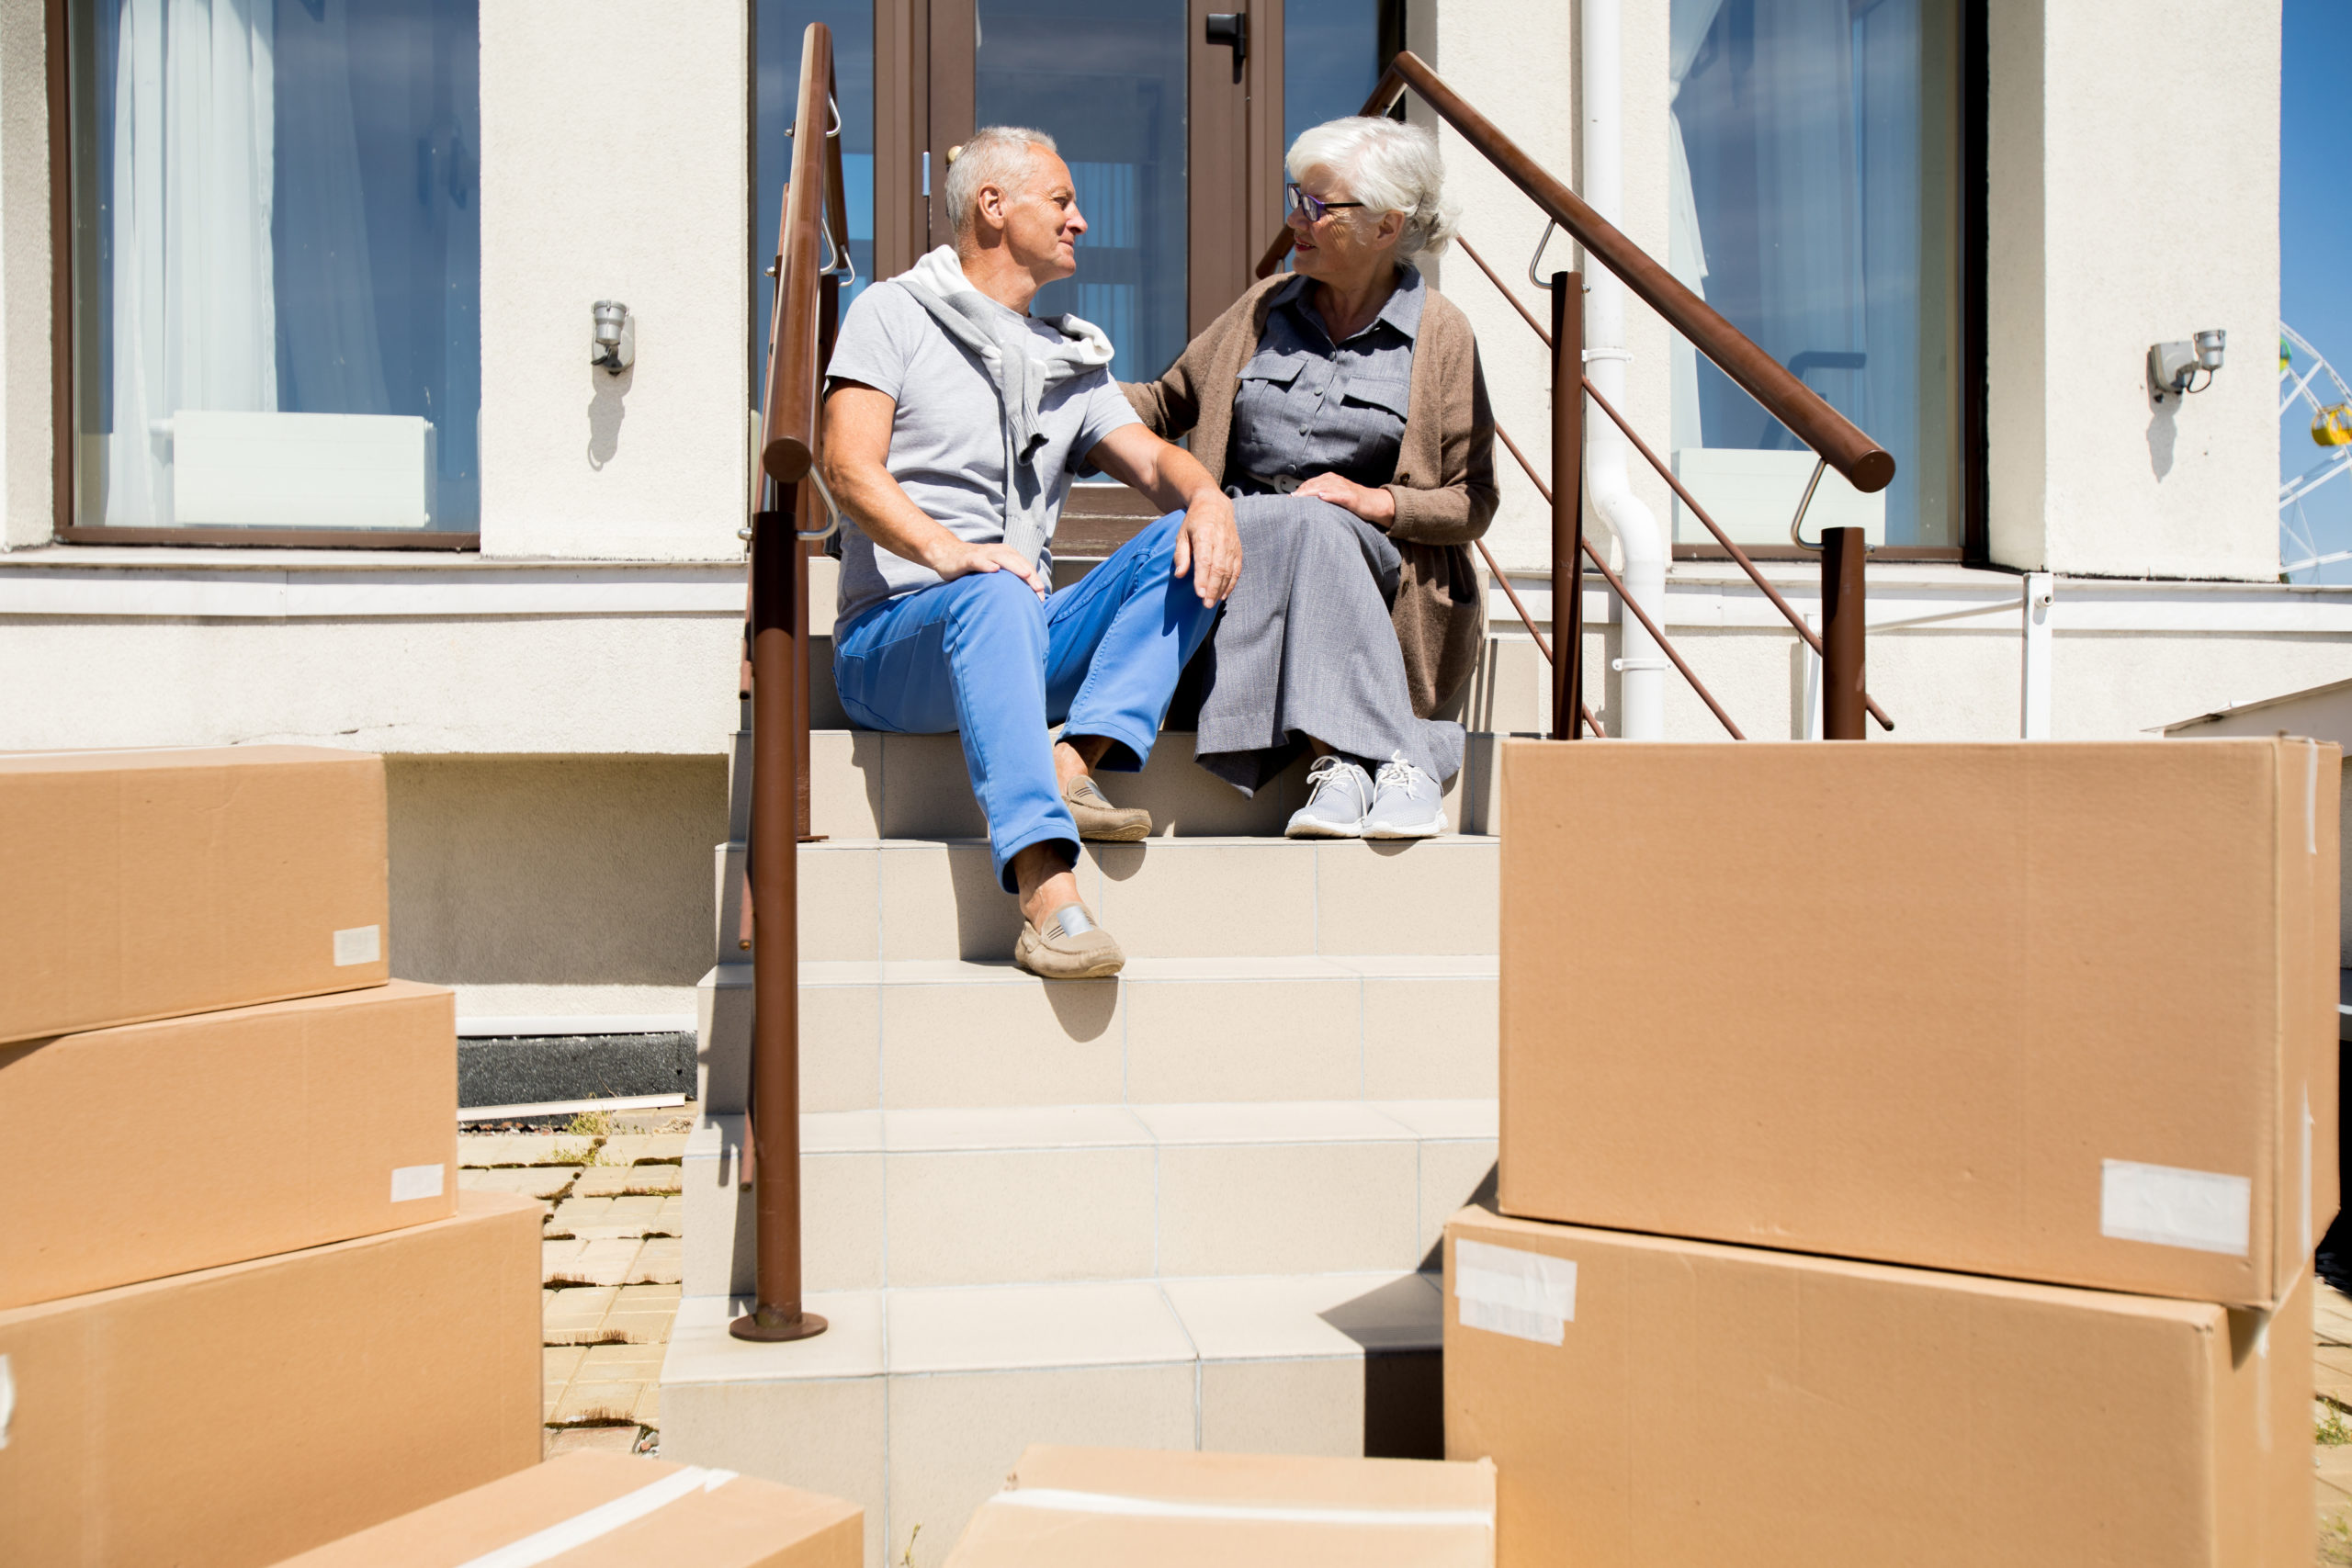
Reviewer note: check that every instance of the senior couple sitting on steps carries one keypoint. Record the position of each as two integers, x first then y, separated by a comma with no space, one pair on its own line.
1315,550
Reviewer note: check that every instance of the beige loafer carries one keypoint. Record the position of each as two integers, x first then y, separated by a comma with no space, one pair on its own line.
1101,821
1071,947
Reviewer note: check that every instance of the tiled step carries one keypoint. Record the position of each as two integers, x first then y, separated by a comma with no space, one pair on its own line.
943,1033
1052,1194
916,1402
1180,898
865,784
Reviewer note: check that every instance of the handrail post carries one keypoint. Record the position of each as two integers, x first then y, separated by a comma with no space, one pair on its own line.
775,934
1567,505
1844,691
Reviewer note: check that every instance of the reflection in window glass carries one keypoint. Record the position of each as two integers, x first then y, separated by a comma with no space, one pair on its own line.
278,260
779,27
1105,80
1330,61
1814,149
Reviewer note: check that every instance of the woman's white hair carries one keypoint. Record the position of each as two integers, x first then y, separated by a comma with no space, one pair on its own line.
1390,167
999,155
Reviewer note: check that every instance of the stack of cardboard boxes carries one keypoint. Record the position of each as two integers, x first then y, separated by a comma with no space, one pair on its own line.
243,1308
1909,1154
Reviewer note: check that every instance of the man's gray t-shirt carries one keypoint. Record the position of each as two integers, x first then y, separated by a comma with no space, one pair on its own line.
947,438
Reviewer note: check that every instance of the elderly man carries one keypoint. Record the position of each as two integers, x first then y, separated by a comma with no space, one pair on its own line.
954,420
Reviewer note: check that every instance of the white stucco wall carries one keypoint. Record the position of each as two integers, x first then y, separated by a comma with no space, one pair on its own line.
26,449
614,167
2132,199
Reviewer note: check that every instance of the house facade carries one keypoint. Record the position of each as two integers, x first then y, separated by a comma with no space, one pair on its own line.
301,439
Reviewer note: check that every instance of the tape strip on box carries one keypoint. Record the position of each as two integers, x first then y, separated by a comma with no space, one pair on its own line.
411,1182
1506,1291
1062,1500
358,944
2202,1209
602,1520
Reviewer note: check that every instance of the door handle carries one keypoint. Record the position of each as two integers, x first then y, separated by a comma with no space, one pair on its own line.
1231,28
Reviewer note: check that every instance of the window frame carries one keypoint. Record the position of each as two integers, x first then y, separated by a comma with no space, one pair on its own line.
64,526
1975,547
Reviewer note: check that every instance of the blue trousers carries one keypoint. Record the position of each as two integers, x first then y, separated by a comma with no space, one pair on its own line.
983,656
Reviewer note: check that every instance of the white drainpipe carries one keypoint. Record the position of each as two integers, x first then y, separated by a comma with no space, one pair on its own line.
1641,703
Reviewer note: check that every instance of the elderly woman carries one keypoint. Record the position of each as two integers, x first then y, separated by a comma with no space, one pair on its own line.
1345,409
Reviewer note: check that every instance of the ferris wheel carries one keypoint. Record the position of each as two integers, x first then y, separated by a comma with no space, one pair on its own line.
2304,376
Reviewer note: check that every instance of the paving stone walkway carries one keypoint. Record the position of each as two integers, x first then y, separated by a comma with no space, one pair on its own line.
610,1238
2332,1425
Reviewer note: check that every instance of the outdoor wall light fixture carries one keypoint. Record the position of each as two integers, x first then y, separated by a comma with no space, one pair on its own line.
613,349
2173,366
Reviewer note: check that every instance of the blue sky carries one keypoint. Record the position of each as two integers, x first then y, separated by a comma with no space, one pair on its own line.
2315,236
2315,178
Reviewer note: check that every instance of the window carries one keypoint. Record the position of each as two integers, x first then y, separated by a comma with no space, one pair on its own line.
277,247
777,29
1815,200
1333,52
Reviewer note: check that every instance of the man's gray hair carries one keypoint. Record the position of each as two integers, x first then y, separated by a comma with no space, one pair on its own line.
997,156
1390,167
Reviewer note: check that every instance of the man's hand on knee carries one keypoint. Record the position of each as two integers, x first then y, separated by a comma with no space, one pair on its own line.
957,557
1208,547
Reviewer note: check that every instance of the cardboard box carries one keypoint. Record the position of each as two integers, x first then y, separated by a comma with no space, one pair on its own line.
2057,1012
237,1415
630,1510
346,1107
148,884
1146,1508
1659,1403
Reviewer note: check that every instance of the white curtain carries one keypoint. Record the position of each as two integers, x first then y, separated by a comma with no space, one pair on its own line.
1686,250
194,311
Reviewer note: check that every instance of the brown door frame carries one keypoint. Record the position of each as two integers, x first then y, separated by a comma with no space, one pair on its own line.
924,102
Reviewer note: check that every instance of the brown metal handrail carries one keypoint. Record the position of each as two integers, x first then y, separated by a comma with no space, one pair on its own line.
785,492
1866,465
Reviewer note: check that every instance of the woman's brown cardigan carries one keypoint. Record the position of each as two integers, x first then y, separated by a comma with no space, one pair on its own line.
1445,471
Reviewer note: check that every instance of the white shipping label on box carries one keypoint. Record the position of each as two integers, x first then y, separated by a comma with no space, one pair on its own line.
359,944
2203,1210
411,1182
1506,1291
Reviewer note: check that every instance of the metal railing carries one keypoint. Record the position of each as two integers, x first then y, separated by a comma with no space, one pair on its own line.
1835,442
787,495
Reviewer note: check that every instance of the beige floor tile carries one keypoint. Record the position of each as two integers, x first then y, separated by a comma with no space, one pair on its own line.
574,1315
1118,1322
1430,1037
838,894
952,1437
659,1263
480,1150
619,1181
649,1406
942,900
1284,1407
1284,1209
1184,898
584,1402
989,1218
1244,1040
590,1262
840,1046
1451,1174
642,1148
1002,1041
1433,895
592,1440
823,1435
558,1362
535,1181
618,1363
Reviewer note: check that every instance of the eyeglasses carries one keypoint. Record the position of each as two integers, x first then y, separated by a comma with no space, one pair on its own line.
1295,201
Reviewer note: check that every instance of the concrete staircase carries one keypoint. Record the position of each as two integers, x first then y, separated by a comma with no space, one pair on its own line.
1189,1207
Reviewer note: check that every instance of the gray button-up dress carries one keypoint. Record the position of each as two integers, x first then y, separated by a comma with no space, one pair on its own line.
1305,645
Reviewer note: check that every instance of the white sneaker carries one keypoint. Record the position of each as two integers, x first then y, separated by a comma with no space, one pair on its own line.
1338,795
1404,803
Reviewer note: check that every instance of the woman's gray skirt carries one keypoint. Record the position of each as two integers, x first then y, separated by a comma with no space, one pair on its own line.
1306,648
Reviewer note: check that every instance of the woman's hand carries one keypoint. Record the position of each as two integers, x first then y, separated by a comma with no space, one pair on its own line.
1372,503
